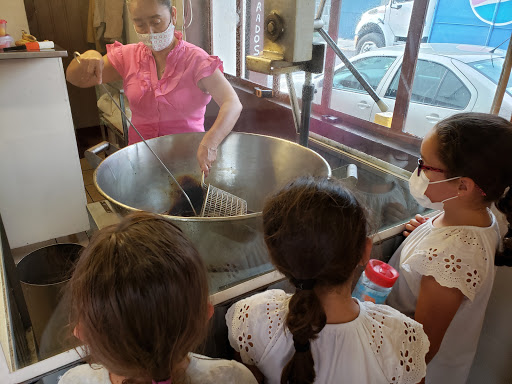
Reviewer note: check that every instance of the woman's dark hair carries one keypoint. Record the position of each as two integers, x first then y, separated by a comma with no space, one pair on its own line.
316,234
139,299
168,3
478,146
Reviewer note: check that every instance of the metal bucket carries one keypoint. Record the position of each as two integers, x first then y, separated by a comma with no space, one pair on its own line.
249,166
43,275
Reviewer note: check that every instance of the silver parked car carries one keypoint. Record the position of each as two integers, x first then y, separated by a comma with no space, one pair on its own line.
449,78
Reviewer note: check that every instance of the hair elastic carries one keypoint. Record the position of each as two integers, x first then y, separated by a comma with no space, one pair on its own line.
305,285
301,347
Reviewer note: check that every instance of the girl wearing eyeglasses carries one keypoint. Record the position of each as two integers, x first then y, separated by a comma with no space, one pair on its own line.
447,263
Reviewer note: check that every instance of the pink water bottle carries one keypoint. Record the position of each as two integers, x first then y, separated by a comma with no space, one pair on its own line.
375,282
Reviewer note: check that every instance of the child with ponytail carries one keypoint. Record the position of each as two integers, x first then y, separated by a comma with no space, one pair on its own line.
447,264
317,235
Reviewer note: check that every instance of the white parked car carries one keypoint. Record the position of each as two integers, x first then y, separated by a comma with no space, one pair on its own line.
388,25
449,79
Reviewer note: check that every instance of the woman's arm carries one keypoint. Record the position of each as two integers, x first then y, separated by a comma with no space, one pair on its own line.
230,107
91,70
435,309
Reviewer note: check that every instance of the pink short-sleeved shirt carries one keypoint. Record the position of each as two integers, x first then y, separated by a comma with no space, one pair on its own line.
173,104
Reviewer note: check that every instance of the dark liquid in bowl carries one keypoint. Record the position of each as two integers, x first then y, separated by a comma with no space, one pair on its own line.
179,203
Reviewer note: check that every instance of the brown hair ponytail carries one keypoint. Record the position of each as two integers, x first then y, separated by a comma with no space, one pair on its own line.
316,233
305,319
504,257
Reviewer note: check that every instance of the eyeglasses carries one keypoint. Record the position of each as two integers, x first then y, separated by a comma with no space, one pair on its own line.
421,165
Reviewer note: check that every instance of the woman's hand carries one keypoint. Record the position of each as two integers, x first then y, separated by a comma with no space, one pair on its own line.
225,97
413,224
89,69
205,157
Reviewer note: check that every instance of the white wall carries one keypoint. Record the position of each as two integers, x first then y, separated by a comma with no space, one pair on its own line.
224,21
14,12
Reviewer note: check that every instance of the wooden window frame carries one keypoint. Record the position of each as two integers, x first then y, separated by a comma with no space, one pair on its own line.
408,68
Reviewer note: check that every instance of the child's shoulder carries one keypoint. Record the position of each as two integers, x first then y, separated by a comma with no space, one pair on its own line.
256,323
398,343
460,237
86,374
391,321
459,257
262,304
207,370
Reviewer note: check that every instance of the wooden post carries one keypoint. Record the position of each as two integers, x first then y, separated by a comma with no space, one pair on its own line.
412,46
330,56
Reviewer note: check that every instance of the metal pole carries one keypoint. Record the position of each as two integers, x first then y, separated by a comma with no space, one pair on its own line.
320,10
367,87
293,101
502,83
491,27
307,98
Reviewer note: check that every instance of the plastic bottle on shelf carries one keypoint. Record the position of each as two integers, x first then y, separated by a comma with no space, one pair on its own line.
375,282
3,27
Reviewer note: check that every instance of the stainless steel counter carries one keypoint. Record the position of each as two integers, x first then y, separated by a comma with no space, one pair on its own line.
45,53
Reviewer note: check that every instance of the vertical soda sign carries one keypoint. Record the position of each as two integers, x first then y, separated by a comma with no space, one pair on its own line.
493,12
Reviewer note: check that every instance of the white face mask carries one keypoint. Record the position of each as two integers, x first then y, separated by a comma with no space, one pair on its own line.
419,184
158,41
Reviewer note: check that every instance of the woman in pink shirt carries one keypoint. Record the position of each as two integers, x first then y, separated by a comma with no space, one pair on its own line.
168,81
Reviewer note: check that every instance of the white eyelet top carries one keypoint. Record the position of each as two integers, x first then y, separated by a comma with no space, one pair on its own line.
459,257
201,370
380,346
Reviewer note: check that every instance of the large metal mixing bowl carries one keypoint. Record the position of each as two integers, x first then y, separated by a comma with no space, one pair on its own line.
249,166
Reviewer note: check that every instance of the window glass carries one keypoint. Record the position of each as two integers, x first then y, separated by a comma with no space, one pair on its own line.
372,69
491,69
427,81
434,84
452,93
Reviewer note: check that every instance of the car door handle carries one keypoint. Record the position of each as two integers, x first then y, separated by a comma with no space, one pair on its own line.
363,105
433,118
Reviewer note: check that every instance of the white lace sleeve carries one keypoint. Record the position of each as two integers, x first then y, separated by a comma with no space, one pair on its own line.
459,260
254,322
398,343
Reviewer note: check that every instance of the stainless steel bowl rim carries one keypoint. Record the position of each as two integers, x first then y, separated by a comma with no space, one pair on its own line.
196,218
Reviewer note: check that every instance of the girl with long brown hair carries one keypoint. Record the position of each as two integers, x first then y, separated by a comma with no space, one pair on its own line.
317,235
139,303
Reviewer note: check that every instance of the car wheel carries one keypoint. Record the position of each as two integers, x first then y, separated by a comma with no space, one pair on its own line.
369,42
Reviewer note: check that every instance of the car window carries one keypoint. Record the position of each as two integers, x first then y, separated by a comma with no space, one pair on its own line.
372,69
452,93
492,70
434,84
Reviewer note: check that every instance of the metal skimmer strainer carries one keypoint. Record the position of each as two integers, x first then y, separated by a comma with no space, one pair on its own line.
219,203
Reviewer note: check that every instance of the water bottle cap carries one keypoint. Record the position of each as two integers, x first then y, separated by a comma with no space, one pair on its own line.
381,273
